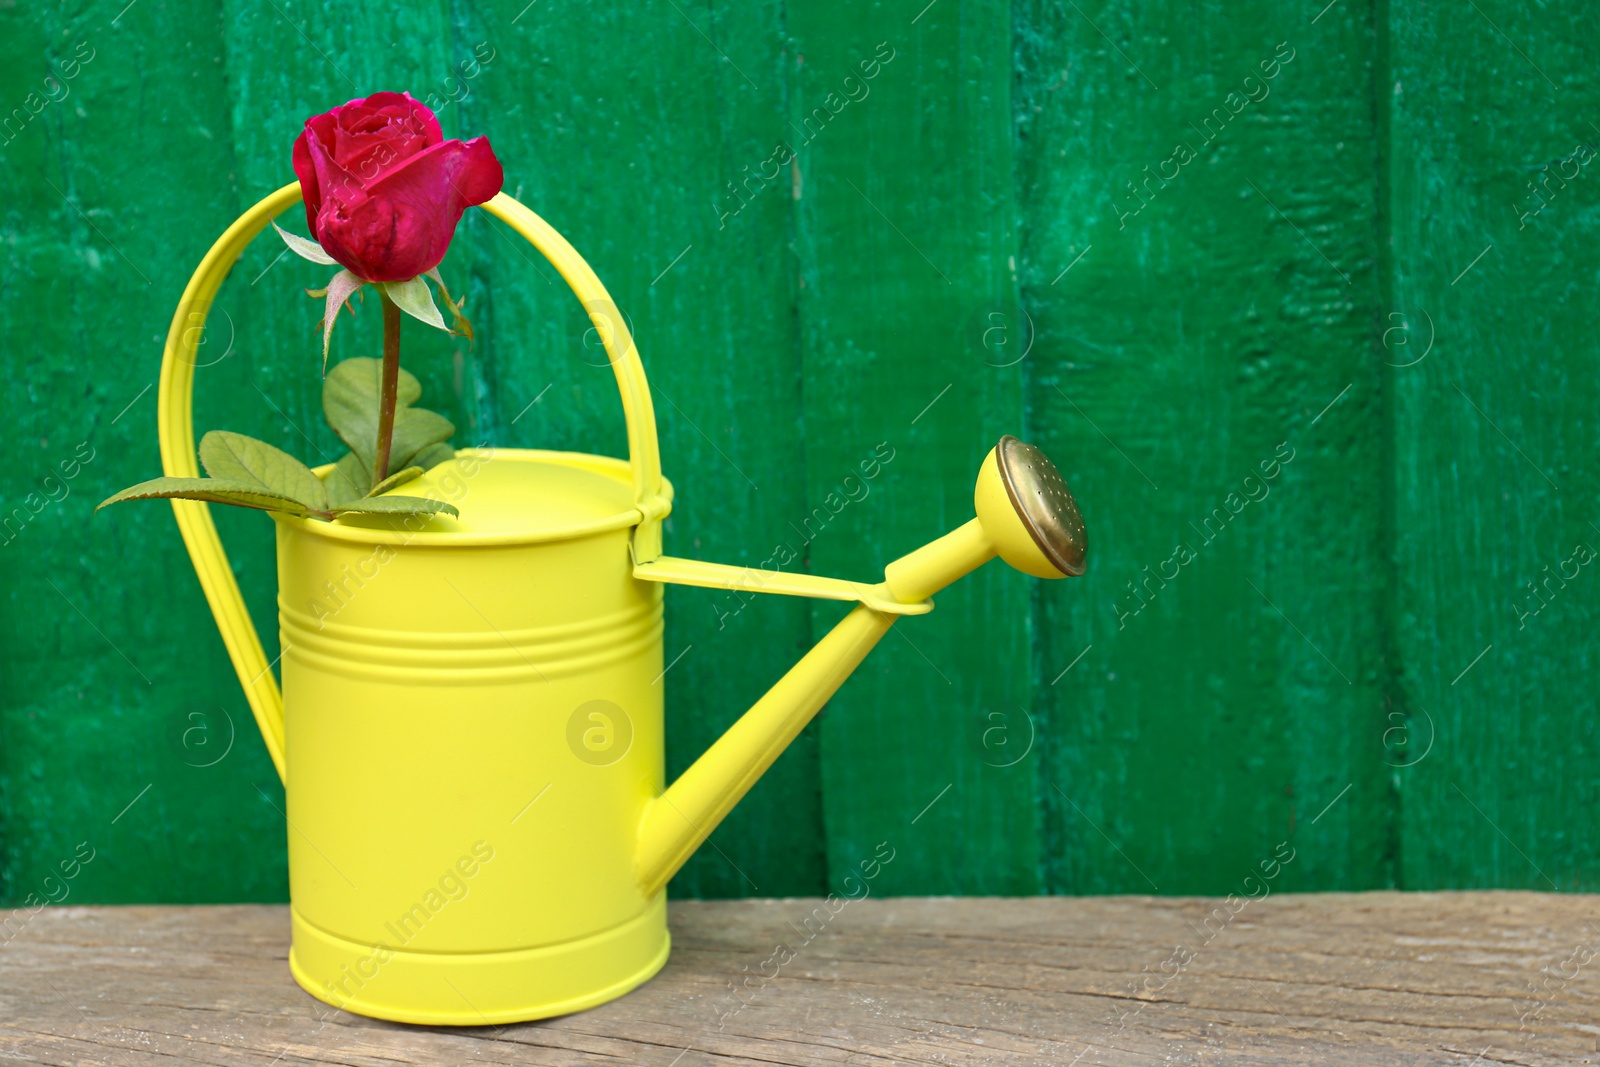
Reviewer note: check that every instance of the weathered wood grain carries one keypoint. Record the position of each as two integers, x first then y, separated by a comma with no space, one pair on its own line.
1380,978
115,680
1199,268
1496,474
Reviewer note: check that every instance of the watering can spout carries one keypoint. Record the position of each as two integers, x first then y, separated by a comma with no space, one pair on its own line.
1025,515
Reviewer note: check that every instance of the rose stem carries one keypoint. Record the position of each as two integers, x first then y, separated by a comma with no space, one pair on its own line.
390,386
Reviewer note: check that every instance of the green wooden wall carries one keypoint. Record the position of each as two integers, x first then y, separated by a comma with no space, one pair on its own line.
1296,294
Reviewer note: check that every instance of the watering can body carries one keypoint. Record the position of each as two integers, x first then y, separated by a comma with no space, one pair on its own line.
469,726
473,729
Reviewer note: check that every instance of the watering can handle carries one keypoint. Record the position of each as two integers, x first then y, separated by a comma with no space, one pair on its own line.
178,457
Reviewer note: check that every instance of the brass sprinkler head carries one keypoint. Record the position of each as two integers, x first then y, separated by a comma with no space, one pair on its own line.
1028,512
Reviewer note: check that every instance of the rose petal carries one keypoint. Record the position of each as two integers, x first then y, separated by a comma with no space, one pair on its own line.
306,171
383,191
482,177
366,236
371,137
412,107
372,155
338,188
451,176
324,123
308,146
404,223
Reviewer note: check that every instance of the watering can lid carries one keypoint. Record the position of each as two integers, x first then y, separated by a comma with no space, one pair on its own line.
506,496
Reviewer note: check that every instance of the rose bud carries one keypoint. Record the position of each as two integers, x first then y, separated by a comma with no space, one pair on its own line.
384,190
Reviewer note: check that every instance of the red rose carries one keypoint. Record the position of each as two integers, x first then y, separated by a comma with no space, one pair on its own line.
384,190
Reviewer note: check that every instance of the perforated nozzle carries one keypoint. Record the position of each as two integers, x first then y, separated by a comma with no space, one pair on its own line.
1026,516
1028,512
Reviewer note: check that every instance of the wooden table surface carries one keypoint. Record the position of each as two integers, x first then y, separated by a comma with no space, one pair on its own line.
1374,978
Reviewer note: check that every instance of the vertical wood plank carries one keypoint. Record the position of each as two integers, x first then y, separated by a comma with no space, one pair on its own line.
120,712
1199,263
1494,194
902,130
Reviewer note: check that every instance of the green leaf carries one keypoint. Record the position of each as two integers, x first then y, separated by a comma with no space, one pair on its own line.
303,248
350,402
338,293
245,494
395,480
396,505
244,472
235,457
349,480
432,456
415,299
414,430
463,325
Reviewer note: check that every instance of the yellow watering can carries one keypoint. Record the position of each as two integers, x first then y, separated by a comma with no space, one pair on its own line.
470,727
